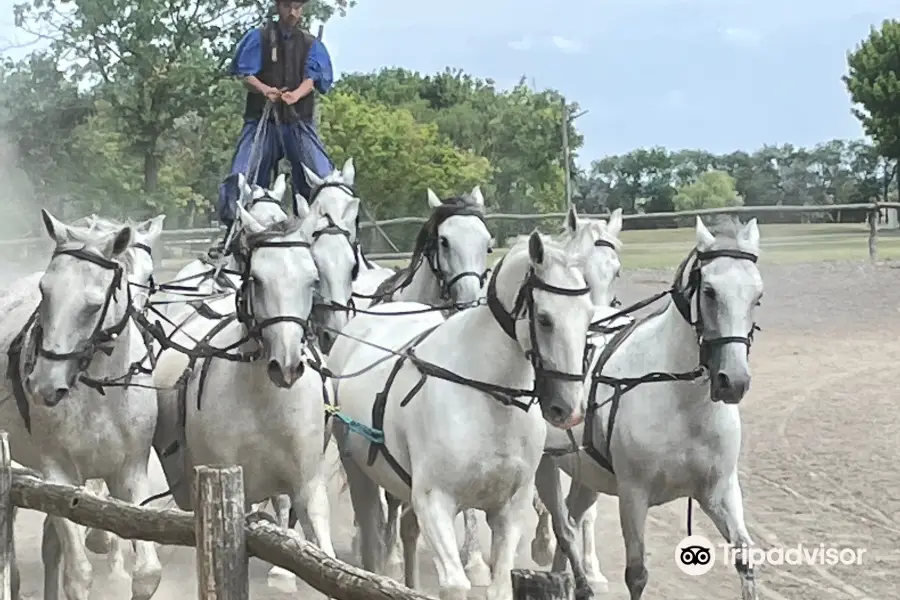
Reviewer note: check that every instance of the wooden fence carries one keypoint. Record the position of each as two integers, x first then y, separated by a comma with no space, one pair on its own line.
182,245
224,536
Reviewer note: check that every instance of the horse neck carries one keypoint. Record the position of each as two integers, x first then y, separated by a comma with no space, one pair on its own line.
424,287
665,342
480,350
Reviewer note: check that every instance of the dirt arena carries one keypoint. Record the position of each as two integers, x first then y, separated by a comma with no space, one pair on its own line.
818,464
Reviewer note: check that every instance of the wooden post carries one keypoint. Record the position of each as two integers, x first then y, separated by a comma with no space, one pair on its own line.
219,520
873,233
541,585
6,522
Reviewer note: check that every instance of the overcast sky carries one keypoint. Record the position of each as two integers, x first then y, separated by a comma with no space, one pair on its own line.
714,74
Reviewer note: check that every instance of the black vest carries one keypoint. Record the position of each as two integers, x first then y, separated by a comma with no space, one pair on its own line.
286,69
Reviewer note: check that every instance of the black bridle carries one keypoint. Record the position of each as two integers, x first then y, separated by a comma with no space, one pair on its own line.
244,296
431,254
691,292
525,304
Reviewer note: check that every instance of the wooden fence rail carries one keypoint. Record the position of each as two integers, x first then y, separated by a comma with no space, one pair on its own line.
204,237
215,530
223,535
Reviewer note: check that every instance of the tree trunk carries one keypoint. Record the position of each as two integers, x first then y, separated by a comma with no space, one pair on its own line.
151,169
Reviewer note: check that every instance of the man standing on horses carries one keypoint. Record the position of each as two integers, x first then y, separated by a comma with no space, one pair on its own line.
283,64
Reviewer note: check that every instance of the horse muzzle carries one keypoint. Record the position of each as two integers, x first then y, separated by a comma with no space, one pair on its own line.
282,377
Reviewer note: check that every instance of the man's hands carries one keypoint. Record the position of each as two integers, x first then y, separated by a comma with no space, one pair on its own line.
273,94
291,97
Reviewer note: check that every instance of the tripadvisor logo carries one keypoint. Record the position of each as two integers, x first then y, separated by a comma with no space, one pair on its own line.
695,555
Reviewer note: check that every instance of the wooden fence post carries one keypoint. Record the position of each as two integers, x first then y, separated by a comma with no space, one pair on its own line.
872,218
219,518
541,585
6,522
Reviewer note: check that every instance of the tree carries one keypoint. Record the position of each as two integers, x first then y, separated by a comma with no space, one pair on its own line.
712,189
397,158
154,63
873,80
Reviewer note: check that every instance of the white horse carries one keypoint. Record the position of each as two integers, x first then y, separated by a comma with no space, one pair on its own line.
598,242
268,415
449,259
675,433
456,432
77,433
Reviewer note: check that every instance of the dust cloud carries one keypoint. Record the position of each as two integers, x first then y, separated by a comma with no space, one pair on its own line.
20,219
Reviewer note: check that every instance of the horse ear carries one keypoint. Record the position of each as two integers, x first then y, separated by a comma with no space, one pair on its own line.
705,239
614,227
433,200
301,206
151,228
312,179
348,172
279,188
248,222
572,220
536,249
477,197
750,236
119,242
56,229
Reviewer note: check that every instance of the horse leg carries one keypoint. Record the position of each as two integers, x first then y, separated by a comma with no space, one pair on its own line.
633,508
409,533
391,542
546,481
506,533
477,571
99,541
132,485
543,546
589,544
725,508
77,569
278,578
369,516
436,512
15,581
51,555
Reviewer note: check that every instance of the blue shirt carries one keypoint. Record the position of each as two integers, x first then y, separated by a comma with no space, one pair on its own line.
248,60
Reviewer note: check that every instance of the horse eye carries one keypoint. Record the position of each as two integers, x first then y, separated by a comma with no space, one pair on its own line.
490,251
544,320
709,293
445,243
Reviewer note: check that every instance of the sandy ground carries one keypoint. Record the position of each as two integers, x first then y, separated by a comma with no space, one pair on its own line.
821,435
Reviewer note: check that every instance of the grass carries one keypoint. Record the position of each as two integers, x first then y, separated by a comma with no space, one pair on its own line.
781,244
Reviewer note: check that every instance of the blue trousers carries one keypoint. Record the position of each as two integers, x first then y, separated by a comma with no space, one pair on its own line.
301,145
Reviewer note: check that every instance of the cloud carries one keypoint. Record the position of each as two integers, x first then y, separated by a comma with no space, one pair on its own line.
741,36
567,45
521,45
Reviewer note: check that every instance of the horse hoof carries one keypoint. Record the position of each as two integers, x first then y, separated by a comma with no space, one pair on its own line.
144,585
478,572
282,580
542,551
98,541
584,593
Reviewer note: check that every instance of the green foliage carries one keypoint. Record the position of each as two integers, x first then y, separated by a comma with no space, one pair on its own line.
873,81
711,189
397,158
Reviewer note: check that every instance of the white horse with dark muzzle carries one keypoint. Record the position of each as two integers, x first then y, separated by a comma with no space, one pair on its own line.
449,262
459,429
265,415
74,331
663,420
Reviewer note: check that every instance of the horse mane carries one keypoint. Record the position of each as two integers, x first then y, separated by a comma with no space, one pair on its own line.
450,207
278,229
